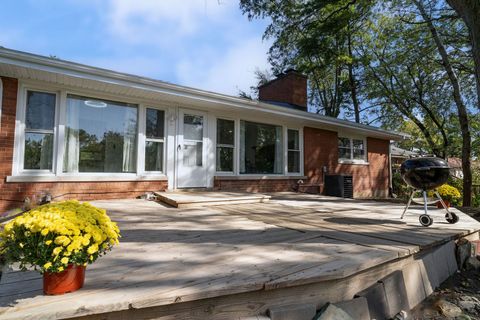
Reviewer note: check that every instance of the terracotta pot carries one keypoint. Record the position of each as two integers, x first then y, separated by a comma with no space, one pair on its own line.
69,280
439,204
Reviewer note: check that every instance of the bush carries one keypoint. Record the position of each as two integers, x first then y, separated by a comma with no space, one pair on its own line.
55,235
476,200
399,187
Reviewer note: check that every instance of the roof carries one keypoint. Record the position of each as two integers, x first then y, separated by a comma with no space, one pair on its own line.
399,152
25,65
454,162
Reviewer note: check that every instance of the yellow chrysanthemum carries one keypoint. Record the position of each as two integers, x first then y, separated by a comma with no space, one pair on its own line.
64,260
47,265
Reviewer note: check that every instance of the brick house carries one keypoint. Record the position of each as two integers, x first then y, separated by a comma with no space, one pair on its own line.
77,131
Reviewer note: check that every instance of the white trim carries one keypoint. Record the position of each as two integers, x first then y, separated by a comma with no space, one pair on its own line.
142,139
363,161
261,177
83,178
20,128
234,146
300,151
79,71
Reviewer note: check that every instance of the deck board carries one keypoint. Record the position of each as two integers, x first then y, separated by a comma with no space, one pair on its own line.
170,255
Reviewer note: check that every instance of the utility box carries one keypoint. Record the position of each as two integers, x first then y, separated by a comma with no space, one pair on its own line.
339,185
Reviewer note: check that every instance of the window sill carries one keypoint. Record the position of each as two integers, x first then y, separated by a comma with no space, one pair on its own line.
357,162
84,178
260,177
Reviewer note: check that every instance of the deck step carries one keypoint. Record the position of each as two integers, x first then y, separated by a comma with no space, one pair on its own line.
193,199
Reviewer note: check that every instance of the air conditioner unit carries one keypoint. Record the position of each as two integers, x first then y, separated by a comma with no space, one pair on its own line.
339,186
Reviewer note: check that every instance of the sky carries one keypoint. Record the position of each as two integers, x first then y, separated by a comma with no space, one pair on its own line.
206,44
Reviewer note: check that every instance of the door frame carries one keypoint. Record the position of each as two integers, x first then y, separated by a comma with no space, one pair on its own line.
179,139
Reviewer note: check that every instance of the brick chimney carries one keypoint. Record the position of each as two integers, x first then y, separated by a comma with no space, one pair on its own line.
288,89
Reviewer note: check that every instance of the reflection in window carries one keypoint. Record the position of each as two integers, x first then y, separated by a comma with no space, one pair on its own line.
192,140
39,131
351,149
155,135
293,151
261,148
100,136
225,145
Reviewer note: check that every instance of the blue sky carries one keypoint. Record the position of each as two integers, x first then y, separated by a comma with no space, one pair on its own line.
206,44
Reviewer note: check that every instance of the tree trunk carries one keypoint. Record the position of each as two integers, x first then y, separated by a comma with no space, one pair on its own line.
469,11
353,83
462,110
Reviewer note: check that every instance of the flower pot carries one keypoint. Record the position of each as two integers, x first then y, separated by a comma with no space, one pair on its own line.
439,204
69,280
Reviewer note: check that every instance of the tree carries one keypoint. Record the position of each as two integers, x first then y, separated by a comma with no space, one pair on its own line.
457,96
317,38
469,11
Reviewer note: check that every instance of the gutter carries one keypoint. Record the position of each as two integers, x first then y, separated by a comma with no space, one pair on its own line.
77,70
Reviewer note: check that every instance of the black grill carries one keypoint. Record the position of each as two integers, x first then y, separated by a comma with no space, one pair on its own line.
425,173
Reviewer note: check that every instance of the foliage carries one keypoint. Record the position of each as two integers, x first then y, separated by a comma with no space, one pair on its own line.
52,236
400,188
476,200
449,193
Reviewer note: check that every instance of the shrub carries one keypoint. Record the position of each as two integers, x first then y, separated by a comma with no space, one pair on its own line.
399,186
52,236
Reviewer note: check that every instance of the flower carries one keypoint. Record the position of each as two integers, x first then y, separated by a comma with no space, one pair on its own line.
52,235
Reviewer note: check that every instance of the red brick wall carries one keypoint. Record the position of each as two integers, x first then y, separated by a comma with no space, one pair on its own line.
256,185
290,88
13,194
370,180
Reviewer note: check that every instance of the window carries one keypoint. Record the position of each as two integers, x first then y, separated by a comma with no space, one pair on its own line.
192,140
293,151
155,139
351,149
261,148
225,145
39,131
344,148
100,136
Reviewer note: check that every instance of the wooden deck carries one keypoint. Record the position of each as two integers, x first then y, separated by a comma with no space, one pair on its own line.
173,260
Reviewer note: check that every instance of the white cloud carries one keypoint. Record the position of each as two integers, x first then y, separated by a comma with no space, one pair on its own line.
205,44
228,71
163,21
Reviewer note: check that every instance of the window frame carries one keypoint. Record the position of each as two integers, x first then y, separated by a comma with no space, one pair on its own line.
143,139
232,146
57,174
20,131
351,160
300,150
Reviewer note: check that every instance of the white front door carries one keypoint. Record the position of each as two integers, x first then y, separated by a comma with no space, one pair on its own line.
191,150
